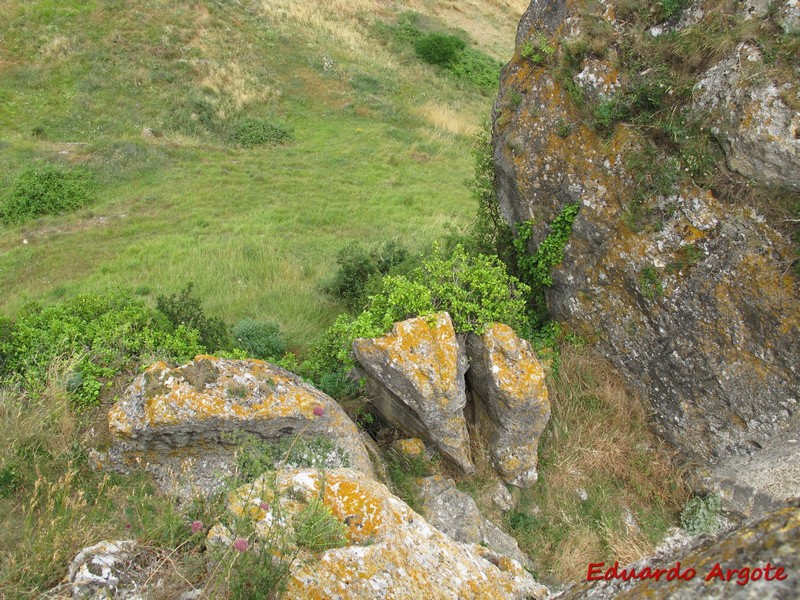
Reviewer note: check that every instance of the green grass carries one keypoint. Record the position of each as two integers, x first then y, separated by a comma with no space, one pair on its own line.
257,229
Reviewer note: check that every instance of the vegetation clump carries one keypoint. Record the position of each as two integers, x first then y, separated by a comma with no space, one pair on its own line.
259,339
47,189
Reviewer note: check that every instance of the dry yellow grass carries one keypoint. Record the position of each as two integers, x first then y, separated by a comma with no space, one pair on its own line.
598,440
453,120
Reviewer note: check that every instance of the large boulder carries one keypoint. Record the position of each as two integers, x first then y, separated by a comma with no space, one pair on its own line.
456,514
750,557
391,552
700,311
415,376
185,423
507,384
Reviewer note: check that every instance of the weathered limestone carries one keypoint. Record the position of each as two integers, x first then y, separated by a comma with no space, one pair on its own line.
508,386
455,514
415,376
701,311
183,423
759,132
392,552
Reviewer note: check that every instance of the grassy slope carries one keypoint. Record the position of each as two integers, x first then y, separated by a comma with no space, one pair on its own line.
382,144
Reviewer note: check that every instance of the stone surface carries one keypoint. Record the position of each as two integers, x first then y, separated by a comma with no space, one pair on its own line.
759,132
104,570
185,423
415,377
393,553
774,540
409,447
750,487
701,313
508,386
502,498
456,514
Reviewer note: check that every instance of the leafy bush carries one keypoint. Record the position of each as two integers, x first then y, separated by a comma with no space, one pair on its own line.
439,48
475,290
249,132
550,251
47,190
184,309
357,266
259,339
104,335
700,514
476,68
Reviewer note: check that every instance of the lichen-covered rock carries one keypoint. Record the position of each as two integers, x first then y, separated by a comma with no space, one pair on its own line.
392,552
415,376
759,132
773,541
508,386
105,570
456,514
184,423
700,311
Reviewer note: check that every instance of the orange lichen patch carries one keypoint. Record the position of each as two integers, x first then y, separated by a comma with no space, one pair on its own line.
514,366
355,504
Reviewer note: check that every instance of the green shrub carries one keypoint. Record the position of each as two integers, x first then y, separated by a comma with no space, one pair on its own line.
475,290
439,48
550,251
476,68
316,528
184,309
538,49
357,266
103,335
47,190
259,339
700,514
249,132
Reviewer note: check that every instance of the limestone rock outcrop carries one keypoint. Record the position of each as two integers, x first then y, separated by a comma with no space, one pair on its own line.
511,403
391,552
456,514
415,376
773,541
700,311
759,131
184,423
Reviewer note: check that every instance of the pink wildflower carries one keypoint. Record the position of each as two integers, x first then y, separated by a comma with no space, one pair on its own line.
240,545
264,506
197,526
319,411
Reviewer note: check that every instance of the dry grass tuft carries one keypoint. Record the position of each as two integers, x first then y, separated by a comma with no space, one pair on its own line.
599,441
449,119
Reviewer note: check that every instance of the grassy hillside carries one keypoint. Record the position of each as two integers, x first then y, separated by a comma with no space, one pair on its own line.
380,143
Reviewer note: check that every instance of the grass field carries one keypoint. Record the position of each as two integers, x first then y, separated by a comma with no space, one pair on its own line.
381,144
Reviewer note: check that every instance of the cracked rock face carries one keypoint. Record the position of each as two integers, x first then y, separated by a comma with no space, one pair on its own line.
415,376
701,312
512,406
759,132
183,423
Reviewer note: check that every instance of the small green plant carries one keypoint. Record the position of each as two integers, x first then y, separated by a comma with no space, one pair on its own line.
563,128
550,252
317,529
670,8
259,339
650,283
184,308
237,391
439,49
249,132
47,190
257,456
700,514
538,49
404,470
